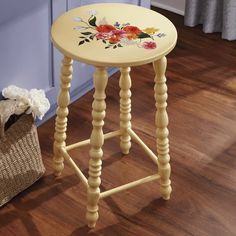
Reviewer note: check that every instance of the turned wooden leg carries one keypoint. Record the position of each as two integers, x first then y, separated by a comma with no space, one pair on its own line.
162,132
96,143
62,113
125,109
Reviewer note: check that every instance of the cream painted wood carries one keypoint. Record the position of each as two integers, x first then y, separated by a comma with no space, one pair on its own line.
96,142
125,109
62,113
162,132
66,39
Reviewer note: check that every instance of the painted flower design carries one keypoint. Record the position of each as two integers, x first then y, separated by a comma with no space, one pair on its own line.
150,30
149,45
115,35
105,28
132,29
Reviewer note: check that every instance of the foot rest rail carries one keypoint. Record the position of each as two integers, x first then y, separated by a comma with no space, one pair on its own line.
147,150
75,167
87,141
129,185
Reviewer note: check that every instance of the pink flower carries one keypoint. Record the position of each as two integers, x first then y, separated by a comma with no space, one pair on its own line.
104,36
113,36
149,45
119,33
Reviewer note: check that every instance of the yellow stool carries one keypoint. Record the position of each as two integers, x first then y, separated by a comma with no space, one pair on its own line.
117,35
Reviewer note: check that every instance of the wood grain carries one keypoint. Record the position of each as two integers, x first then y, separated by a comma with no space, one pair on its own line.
201,78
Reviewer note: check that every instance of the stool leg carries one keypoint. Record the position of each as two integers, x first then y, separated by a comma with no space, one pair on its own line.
62,113
125,109
96,143
162,132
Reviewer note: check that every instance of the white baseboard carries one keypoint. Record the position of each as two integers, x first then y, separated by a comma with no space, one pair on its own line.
167,7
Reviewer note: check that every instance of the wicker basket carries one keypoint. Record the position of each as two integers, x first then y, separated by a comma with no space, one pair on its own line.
20,157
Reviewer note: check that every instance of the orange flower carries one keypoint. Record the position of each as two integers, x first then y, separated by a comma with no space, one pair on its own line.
105,28
131,36
114,39
132,29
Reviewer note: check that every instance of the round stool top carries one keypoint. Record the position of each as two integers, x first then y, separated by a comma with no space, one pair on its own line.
113,34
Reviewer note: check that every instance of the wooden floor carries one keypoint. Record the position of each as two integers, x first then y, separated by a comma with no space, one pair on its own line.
202,109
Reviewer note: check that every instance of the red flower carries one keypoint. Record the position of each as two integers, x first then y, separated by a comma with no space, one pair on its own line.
132,29
149,45
105,28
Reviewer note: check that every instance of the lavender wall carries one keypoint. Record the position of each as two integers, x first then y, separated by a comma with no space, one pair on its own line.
27,58
24,46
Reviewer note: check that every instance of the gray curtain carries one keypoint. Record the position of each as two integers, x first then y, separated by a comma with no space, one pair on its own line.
214,15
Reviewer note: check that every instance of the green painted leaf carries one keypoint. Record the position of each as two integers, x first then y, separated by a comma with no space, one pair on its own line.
91,37
143,35
81,42
86,33
119,45
107,47
92,22
82,37
104,41
115,46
